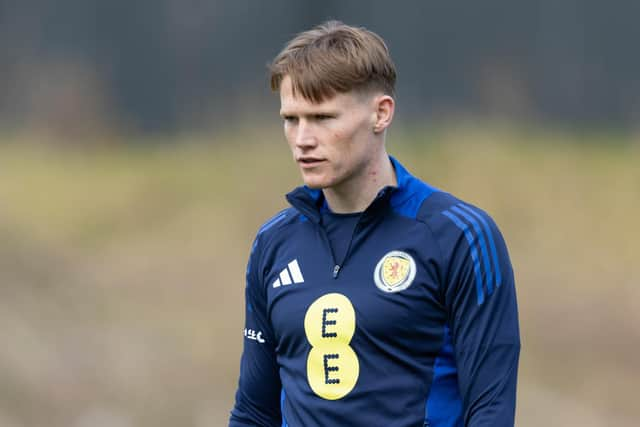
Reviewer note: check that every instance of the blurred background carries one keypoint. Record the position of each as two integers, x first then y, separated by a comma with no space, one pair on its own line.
140,150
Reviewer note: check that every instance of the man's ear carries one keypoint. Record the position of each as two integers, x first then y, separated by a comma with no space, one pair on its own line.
384,108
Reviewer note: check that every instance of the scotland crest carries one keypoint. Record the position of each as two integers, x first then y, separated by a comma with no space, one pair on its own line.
395,272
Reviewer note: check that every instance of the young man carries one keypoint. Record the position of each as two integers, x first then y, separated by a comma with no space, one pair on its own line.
376,299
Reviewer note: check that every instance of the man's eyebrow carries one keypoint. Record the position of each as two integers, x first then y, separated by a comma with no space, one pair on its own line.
319,112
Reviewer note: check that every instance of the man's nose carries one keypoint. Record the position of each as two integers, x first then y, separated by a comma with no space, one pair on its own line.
305,137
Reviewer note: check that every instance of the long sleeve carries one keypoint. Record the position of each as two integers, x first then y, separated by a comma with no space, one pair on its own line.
258,395
483,315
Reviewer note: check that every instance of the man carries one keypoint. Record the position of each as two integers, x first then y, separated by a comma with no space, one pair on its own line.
376,299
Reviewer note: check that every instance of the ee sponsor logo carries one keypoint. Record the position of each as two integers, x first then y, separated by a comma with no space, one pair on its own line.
332,365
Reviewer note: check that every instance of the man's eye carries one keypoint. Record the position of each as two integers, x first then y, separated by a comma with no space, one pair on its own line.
322,117
290,119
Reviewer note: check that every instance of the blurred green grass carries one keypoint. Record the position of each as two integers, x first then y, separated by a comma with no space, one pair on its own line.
122,268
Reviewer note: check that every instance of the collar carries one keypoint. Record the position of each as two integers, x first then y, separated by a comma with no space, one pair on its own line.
311,202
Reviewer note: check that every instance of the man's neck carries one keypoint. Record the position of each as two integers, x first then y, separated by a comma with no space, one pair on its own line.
357,193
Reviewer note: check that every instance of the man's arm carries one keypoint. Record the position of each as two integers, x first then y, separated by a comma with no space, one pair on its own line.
483,314
258,395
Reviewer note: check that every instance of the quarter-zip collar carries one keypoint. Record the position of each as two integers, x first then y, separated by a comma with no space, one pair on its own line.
311,202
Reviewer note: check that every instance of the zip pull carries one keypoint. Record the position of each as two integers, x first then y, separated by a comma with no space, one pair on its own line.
336,270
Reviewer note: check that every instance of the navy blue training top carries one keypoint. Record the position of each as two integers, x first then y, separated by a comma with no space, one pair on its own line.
414,324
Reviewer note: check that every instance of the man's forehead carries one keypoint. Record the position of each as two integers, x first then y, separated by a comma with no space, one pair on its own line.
300,104
291,101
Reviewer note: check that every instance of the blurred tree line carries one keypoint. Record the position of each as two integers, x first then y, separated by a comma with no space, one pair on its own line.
167,65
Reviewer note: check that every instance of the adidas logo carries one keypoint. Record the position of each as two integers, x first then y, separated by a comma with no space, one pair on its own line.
291,274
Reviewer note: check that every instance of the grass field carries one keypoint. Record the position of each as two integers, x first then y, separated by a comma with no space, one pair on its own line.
121,269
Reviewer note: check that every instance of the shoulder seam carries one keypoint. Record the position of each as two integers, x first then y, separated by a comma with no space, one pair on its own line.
272,221
438,246
425,222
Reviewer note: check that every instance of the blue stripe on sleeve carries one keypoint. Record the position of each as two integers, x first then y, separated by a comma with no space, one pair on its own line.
474,255
444,404
483,248
282,397
494,252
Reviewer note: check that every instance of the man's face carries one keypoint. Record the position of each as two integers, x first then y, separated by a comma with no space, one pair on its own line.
332,141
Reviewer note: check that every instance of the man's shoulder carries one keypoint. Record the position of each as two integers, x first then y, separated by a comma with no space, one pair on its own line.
271,229
274,224
445,213
433,206
451,218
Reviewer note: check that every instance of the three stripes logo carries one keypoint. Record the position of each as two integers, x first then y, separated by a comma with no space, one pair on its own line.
290,274
480,238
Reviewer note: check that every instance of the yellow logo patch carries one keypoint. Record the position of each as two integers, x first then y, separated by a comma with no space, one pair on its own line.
395,271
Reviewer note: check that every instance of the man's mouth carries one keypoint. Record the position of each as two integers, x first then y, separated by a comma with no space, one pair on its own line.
310,161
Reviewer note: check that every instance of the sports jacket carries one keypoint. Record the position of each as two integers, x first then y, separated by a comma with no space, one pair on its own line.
417,324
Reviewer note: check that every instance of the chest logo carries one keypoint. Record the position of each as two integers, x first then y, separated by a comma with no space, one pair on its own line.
395,271
290,274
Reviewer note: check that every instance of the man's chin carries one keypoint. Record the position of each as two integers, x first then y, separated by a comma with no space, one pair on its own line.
314,184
